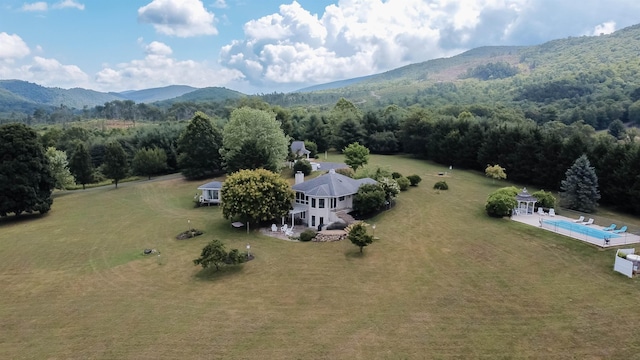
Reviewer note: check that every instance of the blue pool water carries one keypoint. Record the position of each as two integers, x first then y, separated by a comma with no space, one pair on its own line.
581,229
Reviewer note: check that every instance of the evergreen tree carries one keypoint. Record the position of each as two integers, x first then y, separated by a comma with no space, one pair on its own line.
199,148
349,131
115,164
580,186
26,181
81,166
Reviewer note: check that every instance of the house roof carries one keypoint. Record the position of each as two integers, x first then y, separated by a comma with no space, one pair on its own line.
297,147
214,185
331,184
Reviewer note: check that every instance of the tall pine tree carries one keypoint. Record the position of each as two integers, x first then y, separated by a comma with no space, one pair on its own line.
579,189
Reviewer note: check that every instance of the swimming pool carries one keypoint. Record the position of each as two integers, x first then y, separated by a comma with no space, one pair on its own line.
579,228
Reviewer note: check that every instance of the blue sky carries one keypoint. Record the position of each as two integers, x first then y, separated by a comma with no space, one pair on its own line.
262,46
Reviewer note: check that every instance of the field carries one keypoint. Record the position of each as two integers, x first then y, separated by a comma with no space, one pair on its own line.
443,281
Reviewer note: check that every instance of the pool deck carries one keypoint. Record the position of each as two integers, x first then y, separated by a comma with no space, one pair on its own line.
535,220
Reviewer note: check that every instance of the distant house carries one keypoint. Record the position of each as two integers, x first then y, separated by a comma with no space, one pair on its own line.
321,200
298,149
210,193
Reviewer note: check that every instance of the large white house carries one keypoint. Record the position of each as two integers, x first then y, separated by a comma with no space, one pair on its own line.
320,200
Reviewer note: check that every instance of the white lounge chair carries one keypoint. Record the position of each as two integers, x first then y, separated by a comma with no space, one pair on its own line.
589,222
284,228
274,227
552,212
289,231
579,220
541,211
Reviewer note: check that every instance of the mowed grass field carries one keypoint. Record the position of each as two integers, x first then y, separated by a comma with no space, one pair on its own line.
444,281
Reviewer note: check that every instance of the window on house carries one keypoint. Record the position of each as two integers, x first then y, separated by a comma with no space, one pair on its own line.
313,203
321,220
313,221
341,198
321,203
334,203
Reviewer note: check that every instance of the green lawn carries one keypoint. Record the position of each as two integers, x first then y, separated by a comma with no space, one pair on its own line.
443,281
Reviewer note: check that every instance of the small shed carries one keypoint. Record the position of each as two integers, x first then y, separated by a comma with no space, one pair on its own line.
210,193
526,203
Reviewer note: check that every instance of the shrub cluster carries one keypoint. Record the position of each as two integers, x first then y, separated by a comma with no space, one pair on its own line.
441,185
307,235
302,165
414,179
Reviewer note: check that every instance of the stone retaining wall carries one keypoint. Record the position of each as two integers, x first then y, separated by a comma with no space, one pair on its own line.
330,235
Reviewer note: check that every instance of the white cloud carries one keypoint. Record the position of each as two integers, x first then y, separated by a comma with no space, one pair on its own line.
36,6
12,47
220,4
182,18
605,28
159,69
69,4
46,72
352,38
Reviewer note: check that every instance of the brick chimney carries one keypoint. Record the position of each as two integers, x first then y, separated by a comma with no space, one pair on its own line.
299,177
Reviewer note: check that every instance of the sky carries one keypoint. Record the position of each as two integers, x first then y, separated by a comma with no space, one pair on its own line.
265,46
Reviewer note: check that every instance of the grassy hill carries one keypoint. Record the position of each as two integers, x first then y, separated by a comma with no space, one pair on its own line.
442,281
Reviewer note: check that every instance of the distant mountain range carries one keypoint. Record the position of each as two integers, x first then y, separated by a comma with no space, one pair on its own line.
559,70
23,96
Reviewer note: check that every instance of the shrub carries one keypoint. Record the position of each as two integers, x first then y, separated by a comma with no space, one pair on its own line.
501,202
307,235
545,199
346,172
414,179
404,183
441,185
396,175
302,165
338,225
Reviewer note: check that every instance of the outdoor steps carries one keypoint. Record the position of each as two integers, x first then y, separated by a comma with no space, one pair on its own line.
344,216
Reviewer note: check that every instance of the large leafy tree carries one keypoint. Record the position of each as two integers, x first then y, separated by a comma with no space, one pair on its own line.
317,130
26,182
59,167
115,164
256,195
80,165
253,139
579,189
199,148
356,155
148,162
369,199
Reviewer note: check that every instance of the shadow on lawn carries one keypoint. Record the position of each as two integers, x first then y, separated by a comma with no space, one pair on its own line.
211,274
355,254
24,217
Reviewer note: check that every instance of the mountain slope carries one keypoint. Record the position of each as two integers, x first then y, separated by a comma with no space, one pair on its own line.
204,95
157,94
44,96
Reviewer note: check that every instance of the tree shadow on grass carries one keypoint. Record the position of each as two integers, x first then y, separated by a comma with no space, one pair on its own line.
355,254
211,274
12,219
